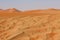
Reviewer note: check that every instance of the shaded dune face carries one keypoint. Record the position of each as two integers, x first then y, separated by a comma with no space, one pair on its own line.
30,25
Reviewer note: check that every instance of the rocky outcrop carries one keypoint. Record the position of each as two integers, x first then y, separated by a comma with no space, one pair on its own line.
13,10
10,10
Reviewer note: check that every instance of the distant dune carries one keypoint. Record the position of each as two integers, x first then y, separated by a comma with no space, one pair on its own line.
30,24
14,11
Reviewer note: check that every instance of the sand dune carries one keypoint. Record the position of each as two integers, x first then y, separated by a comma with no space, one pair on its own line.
30,25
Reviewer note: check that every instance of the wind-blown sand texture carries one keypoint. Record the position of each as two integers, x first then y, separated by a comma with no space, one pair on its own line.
30,25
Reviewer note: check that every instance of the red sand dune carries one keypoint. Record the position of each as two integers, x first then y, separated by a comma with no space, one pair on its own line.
30,25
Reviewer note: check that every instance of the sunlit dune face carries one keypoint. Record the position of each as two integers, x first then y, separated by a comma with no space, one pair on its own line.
30,25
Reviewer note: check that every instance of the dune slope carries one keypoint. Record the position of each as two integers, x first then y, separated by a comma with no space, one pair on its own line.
30,25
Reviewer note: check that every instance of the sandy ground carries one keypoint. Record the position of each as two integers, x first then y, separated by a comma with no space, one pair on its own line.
30,25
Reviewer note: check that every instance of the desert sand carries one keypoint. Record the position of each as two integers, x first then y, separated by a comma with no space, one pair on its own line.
30,25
